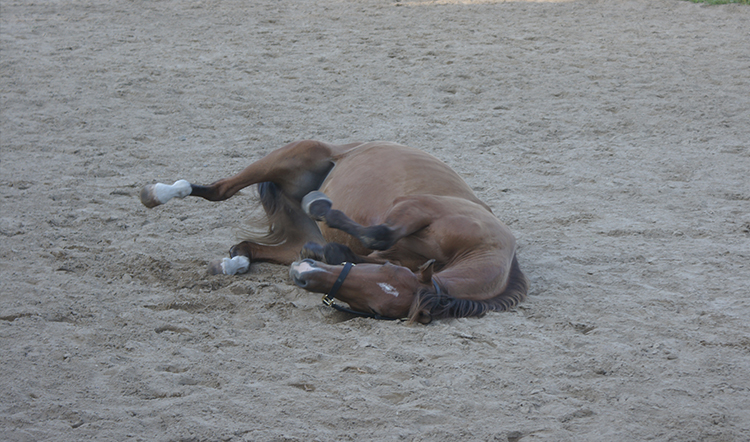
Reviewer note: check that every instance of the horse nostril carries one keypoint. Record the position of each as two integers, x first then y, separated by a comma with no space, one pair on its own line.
296,275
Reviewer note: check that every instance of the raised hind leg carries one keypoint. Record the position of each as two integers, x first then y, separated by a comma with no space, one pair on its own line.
296,169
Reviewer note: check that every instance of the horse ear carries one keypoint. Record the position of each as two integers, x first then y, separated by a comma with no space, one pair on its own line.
425,272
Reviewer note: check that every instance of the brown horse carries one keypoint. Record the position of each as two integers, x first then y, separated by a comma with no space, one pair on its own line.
413,238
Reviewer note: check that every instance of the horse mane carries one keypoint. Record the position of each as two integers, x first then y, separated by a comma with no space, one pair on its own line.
429,305
273,225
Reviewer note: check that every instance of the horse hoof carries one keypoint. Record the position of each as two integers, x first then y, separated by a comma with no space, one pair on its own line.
235,265
424,317
312,251
316,205
148,196
214,268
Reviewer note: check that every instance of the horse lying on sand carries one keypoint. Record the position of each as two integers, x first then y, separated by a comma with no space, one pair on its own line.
390,230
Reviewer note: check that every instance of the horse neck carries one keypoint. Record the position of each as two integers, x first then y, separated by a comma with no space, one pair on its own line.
476,276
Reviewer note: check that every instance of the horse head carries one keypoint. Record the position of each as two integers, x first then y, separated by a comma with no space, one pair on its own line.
384,290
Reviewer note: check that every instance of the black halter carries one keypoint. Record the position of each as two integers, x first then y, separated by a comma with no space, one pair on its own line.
328,298
331,295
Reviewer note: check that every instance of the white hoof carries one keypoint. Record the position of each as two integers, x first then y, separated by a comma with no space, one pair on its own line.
214,268
148,198
233,266
314,197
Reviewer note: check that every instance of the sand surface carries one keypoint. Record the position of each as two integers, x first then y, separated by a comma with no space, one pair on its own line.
613,137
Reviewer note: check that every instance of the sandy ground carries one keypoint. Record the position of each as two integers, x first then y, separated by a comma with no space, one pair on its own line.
612,136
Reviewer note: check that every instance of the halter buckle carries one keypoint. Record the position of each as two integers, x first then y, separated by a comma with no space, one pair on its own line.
328,299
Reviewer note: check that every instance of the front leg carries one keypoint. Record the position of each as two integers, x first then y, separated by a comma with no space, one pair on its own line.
402,220
318,206
335,254
379,237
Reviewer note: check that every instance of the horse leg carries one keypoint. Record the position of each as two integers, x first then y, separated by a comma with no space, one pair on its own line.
287,174
289,230
335,254
318,206
407,216
245,252
296,169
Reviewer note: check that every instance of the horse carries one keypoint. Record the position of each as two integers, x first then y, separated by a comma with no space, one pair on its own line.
390,230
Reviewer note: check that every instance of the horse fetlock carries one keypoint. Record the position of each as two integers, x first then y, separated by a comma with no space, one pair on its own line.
242,249
316,205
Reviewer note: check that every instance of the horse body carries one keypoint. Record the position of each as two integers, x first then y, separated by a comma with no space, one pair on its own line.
371,180
425,246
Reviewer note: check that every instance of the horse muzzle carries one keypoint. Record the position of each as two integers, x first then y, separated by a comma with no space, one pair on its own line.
299,271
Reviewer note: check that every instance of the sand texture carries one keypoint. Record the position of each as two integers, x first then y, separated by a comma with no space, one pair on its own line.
613,137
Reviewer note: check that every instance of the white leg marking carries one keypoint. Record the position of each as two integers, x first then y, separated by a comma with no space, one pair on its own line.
165,192
233,266
388,289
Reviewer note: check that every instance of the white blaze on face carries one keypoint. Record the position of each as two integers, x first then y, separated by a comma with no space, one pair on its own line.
388,289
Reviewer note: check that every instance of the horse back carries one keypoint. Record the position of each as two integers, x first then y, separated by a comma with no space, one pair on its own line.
367,179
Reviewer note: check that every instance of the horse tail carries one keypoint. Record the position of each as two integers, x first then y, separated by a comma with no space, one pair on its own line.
429,305
272,225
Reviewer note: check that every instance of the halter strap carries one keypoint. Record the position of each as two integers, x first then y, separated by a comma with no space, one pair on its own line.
331,295
328,298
